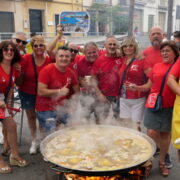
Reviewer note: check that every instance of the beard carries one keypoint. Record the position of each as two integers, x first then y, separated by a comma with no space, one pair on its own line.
156,43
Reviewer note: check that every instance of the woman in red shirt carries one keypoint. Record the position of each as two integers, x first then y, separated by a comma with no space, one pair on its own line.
158,123
132,70
9,55
31,65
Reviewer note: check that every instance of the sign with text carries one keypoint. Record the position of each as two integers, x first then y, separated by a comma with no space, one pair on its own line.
75,21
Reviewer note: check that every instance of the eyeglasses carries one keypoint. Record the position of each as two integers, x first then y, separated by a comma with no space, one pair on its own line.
74,50
8,49
38,45
21,41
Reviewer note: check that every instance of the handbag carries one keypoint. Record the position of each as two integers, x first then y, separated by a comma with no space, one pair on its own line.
154,100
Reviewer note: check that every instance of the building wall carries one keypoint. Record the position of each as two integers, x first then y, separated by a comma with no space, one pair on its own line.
21,11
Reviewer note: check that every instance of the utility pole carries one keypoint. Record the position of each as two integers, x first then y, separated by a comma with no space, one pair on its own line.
170,22
111,22
131,17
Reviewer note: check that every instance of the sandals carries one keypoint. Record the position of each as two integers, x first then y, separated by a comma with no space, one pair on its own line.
6,169
17,161
148,167
6,152
163,169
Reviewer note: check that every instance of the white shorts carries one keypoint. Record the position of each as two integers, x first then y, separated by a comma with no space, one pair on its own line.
132,108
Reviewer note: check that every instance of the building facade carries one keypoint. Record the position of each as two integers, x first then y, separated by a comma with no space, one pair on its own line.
34,15
147,13
43,15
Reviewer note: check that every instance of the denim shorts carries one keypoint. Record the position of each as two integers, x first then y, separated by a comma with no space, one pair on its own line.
28,101
49,119
160,120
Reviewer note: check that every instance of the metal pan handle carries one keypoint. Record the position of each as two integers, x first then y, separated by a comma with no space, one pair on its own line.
61,169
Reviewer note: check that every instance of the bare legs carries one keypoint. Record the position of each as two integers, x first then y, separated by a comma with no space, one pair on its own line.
11,130
31,116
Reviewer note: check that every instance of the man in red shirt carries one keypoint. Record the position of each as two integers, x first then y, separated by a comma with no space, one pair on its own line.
105,71
84,68
19,38
152,53
54,84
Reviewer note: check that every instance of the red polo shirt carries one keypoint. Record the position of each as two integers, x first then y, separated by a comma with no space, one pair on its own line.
106,70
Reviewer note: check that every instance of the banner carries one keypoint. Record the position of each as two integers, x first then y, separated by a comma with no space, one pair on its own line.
75,21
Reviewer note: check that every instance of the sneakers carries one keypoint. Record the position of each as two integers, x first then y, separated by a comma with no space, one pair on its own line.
34,147
168,161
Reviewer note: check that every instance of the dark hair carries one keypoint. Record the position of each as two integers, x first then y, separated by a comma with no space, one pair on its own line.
5,44
177,34
63,48
173,46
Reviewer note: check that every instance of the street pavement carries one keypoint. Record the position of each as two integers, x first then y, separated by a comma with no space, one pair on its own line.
38,168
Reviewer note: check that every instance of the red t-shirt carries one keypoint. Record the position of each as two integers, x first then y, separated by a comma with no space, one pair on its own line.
4,79
54,79
135,74
152,56
106,70
29,82
84,67
156,76
175,71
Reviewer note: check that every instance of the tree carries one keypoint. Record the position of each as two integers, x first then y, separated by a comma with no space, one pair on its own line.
102,13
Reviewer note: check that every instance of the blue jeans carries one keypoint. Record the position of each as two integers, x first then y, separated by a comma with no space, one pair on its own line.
49,119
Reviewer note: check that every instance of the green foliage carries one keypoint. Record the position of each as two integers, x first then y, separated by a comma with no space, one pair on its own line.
103,13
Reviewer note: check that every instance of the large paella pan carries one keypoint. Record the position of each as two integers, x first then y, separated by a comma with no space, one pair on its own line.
97,149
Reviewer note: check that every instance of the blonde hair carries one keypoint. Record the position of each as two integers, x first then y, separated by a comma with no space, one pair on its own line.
129,41
37,39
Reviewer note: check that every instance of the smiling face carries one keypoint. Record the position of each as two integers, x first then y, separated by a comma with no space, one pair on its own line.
8,53
20,41
63,58
74,50
91,53
38,48
128,50
111,46
168,54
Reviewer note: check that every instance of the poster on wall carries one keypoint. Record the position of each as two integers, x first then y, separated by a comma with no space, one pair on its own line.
75,21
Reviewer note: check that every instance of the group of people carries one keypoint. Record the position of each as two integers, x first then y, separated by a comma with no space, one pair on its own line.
119,77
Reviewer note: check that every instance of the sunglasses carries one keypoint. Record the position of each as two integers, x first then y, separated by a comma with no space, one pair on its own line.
74,50
20,41
38,45
8,49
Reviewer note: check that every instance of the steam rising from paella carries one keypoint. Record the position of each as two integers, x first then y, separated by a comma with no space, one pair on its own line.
97,148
